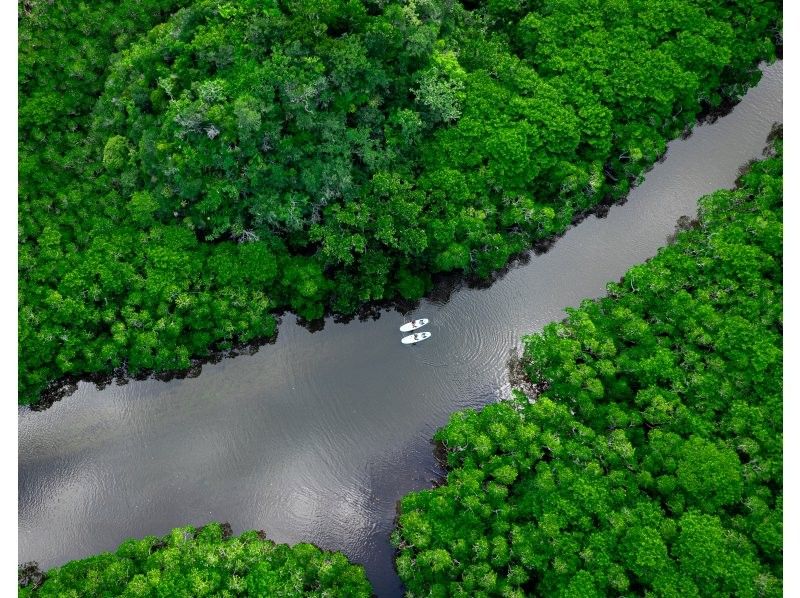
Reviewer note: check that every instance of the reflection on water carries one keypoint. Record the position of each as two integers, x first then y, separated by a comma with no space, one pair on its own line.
316,437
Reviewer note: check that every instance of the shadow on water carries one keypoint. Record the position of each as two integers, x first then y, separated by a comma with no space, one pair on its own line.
68,385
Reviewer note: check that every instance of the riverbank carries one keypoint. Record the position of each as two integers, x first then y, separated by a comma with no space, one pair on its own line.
659,417
317,438
443,286
146,240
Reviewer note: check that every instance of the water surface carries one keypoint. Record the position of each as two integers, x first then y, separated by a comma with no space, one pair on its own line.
315,438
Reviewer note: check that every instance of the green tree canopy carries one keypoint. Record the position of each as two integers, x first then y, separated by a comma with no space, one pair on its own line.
652,461
187,168
204,561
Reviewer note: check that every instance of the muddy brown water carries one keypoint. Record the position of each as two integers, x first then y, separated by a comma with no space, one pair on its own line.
315,438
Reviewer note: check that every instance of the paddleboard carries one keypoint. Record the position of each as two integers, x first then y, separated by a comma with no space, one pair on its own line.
415,338
413,325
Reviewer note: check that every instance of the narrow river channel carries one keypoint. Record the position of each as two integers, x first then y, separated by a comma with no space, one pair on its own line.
315,438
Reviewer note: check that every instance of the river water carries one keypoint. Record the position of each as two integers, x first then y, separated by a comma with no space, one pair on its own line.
315,438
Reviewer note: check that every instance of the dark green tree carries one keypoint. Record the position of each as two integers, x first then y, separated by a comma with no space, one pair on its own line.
652,461
204,561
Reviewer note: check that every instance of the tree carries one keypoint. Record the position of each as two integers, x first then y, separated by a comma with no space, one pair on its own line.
204,561
648,463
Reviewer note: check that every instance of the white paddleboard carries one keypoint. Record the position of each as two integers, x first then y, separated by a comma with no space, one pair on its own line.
415,338
409,326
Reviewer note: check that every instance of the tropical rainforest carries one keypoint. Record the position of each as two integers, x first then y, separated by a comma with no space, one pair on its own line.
206,561
189,169
650,463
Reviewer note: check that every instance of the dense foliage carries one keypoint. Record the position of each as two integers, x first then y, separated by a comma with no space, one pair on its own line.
652,462
187,168
202,562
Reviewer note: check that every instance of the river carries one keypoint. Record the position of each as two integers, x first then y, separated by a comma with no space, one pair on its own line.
315,438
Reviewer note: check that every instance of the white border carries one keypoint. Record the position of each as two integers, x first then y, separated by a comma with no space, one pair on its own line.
791,387
8,296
